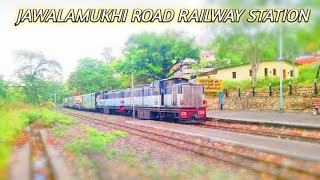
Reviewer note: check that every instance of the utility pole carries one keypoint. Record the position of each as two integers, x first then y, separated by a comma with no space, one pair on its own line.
132,92
281,71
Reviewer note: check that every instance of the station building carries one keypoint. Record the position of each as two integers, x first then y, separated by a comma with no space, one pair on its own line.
270,68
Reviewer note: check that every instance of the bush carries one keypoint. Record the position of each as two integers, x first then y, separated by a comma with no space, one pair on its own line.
47,117
14,117
306,76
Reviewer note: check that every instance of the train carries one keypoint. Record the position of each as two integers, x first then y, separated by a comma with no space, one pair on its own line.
176,100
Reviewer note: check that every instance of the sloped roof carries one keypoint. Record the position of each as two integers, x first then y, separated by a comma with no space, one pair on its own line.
243,64
307,60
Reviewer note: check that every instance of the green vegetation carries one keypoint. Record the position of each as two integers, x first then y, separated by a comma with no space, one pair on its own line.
58,131
92,75
120,133
112,154
11,124
307,75
130,158
249,43
39,76
199,170
96,141
187,159
173,173
13,118
155,56
47,117
15,114
145,156
152,167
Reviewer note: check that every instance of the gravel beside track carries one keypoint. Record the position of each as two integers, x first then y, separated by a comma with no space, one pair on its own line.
256,161
304,135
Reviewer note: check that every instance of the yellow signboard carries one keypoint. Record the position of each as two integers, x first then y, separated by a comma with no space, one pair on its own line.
210,85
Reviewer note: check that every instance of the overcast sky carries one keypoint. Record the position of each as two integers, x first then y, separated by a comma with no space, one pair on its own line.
67,43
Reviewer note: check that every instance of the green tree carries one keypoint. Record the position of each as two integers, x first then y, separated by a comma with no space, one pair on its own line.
35,72
260,41
158,56
243,45
3,87
90,76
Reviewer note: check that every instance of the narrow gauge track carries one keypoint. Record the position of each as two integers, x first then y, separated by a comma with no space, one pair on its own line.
40,164
261,133
259,165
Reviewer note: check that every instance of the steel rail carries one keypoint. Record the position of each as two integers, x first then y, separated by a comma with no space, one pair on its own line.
244,160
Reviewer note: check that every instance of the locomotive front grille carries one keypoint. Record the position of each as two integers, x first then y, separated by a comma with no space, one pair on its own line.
192,96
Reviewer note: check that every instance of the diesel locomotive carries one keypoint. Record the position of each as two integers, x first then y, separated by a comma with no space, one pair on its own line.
175,99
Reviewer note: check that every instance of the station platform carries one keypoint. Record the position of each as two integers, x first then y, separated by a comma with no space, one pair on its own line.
290,148
298,120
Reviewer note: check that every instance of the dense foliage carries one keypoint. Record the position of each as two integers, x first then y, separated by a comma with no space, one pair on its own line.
150,56
37,75
92,75
154,55
248,43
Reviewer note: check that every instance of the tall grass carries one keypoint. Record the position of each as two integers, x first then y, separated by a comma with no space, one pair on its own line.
14,116
307,75
11,124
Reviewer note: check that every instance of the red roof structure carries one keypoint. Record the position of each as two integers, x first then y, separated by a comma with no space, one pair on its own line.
307,60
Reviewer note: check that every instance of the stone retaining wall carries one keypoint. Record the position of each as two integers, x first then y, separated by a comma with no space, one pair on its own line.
300,100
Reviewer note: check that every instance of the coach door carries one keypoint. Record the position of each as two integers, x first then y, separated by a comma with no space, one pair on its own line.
174,95
162,89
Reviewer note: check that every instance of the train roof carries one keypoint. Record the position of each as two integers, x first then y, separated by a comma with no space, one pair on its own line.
174,79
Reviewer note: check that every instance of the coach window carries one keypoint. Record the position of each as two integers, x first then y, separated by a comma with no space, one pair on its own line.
146,93
156,88
234,75
138,92
169,90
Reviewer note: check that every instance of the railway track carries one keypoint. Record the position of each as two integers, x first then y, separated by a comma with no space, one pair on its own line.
225,127
257,164
262,133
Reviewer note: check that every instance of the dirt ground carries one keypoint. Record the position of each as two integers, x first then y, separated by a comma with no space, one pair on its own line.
133,157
